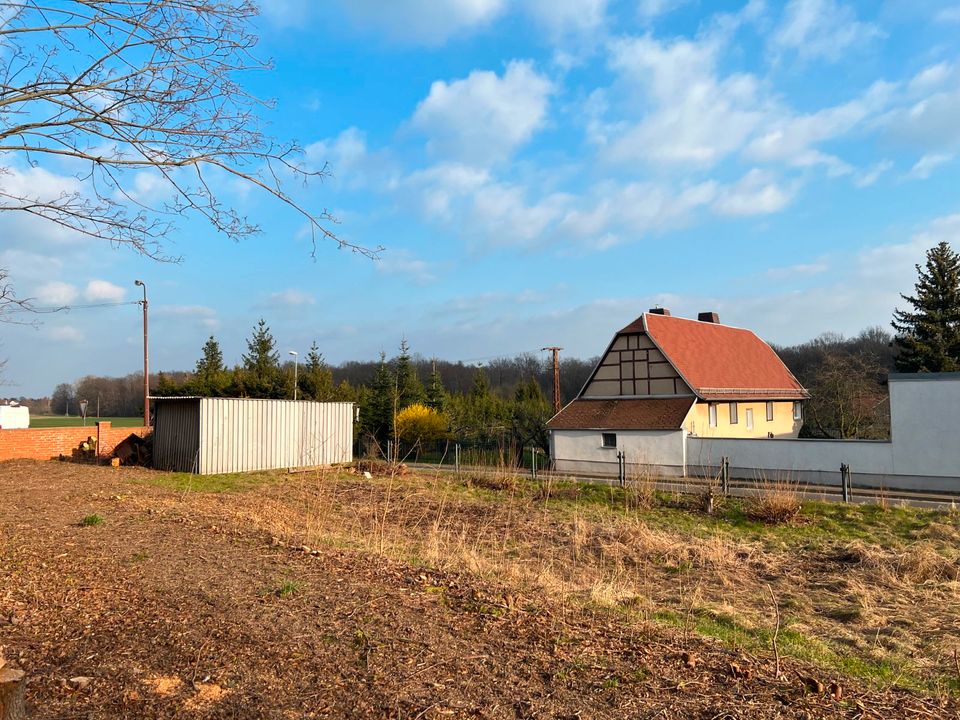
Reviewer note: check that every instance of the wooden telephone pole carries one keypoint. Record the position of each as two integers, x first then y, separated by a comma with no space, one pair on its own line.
556,376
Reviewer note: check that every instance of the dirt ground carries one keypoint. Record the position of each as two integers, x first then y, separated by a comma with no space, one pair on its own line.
177,605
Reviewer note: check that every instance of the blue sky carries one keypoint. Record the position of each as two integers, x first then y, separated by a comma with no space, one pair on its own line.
539,173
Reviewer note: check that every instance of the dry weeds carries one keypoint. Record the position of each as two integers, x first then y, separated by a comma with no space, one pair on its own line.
499,556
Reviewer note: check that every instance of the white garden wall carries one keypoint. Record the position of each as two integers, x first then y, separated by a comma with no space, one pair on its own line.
581,452
923,452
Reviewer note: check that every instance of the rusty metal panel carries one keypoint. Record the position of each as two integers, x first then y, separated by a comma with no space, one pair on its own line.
241,435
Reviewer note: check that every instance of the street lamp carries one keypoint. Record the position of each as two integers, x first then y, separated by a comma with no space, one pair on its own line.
146,358
83,411
294,353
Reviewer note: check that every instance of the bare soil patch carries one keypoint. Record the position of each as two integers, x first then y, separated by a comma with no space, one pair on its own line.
412,599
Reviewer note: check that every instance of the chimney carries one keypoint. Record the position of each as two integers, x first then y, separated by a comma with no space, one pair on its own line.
710,317
659,311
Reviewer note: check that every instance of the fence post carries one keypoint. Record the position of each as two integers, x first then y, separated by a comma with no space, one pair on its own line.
621,468
533,461
725,475
456,458
845,481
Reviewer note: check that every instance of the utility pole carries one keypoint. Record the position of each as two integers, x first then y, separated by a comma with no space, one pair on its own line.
295,358
146,358
556,376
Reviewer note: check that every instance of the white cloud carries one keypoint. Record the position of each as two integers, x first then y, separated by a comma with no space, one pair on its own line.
64,333
56,293
430,22
949,14
202,315
350,161
825,29
792,138
101,290
404,263
798,270
290,297
925,166
287,13
577,19
484,117
697,118
930,122
868,177
650,9
756,193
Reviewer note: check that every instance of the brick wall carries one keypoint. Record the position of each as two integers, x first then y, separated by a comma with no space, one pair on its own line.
47,443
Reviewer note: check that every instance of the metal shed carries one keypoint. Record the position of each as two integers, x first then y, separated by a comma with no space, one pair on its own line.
223,435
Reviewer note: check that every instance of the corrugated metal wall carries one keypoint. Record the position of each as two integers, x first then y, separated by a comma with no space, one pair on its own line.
176,435
238,435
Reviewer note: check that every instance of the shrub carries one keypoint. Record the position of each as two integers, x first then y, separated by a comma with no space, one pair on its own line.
419,423
775,503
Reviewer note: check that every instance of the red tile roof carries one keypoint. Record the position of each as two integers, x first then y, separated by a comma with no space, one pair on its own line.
720,362
630,414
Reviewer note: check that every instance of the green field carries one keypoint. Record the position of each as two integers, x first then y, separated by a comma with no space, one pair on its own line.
48,421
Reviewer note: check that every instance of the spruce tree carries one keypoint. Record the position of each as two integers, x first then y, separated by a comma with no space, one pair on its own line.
316,379
377,416
209,377
409,387
261,365
928,336
436,397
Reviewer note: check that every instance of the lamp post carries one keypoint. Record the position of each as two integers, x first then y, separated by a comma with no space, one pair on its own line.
146,358
295,354
83,411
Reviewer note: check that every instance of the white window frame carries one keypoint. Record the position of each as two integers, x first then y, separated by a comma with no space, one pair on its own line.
712,413
734,414
603,440
748,418
770,410
797,410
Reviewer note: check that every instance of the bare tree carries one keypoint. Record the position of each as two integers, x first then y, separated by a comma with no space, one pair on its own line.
108,89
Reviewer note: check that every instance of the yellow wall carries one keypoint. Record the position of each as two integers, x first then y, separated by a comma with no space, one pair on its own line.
783,424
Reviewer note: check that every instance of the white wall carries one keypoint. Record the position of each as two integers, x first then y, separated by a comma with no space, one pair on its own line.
14,417
925,423
581,451
790,457
923,453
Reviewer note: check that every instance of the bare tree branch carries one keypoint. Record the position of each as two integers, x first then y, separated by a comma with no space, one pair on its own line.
112,88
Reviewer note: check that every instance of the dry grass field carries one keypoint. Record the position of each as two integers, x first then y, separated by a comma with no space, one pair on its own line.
329,595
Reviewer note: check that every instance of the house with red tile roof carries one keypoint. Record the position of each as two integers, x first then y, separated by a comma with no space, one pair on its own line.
663,378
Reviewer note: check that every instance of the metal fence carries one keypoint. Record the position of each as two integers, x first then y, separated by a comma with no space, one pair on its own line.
454,454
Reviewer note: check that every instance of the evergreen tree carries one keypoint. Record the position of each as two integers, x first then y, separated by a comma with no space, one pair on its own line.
210,376
316,379
529,414
409,387
378,413
261,366
436,395
928,337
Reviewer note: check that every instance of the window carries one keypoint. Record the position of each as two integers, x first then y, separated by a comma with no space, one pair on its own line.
733,414
769,412
713,414
798,411
609,440
749,415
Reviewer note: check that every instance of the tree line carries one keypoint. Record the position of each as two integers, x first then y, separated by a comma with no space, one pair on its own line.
508,398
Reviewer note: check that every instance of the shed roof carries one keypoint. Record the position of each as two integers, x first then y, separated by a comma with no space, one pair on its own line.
720,362
627,414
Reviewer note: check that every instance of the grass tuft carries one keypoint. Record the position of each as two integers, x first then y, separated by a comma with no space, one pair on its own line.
91,521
